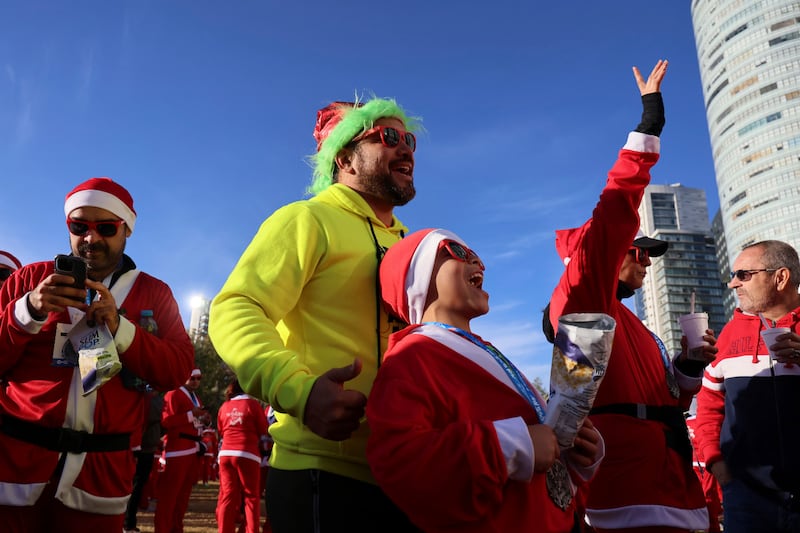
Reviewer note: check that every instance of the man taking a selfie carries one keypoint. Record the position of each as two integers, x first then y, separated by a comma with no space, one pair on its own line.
65,453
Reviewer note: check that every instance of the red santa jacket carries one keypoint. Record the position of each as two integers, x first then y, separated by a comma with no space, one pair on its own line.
242,427
435,411
210,441
41,397
181,426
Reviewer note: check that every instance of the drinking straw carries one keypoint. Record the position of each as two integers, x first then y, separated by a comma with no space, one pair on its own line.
691,303
764,321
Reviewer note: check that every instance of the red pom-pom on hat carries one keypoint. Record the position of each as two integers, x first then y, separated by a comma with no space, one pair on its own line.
327,119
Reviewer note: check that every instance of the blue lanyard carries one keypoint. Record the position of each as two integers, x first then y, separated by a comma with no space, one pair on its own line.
511,371
662,349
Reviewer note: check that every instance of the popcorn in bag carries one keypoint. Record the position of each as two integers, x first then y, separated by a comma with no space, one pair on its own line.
580,356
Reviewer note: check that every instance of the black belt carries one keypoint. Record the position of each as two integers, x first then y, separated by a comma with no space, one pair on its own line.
201,448
64,439
187,436
677,436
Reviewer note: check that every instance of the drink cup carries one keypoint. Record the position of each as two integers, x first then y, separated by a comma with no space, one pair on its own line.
694,326
769,335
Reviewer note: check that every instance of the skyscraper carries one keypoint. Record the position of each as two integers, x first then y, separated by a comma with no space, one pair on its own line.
749,57
723,262
688,271
198,323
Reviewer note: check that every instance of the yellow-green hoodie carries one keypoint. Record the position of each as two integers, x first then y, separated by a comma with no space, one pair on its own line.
300,301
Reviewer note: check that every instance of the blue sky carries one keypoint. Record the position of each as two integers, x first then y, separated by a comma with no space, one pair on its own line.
204,111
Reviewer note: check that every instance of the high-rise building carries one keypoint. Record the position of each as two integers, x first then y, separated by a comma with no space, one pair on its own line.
198,323
723,264
749,57
688,272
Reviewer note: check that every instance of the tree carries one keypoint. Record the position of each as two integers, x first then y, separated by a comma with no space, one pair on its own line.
216,374
537,382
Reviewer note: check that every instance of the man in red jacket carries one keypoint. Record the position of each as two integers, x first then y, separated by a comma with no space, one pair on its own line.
748,424
645,482
65,454
182,419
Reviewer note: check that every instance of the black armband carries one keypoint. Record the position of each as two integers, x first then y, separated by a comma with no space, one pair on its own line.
652,115
691,368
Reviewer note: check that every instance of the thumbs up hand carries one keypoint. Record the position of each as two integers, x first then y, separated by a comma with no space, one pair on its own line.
333,412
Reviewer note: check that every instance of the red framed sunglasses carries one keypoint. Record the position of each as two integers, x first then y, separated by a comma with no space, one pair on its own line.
105,228
390,137
640,254
459,252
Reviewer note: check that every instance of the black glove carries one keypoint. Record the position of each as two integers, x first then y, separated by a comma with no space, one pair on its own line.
652,115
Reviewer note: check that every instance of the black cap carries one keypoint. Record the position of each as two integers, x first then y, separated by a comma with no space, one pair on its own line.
654,246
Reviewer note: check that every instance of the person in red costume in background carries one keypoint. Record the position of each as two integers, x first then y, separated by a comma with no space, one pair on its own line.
269,414
181,419
65,455
646,482
711,487
8,264
243,429
208,466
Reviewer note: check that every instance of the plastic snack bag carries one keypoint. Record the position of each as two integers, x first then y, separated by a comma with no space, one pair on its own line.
580,356
98,360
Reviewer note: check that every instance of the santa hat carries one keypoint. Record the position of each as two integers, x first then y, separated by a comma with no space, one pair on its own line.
568,240
8,260
196,373
339,123
406,271
105,194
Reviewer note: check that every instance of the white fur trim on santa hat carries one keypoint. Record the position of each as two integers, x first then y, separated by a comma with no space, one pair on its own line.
7,261
196,372
103,200
420,269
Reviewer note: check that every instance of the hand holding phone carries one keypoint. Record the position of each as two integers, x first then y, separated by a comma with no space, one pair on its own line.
70,265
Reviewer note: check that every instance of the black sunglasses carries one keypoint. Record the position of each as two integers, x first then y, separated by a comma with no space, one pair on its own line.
390,137
746,275
5,273
640,254
106,228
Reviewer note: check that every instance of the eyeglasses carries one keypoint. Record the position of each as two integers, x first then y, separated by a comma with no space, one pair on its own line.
5,273
390,137
106,228
640,254
746,275
459,252
194,379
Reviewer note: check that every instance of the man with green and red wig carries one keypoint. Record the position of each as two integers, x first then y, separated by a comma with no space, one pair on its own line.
300,319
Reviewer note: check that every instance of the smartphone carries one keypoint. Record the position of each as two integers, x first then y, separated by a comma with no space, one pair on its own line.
71,265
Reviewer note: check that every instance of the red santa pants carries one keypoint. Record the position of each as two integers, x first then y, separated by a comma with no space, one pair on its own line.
238,477
174,490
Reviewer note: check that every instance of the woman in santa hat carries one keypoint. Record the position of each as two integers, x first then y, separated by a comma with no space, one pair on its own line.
457,437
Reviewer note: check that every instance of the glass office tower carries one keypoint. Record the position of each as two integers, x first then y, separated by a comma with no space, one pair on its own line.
679,215
749,57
